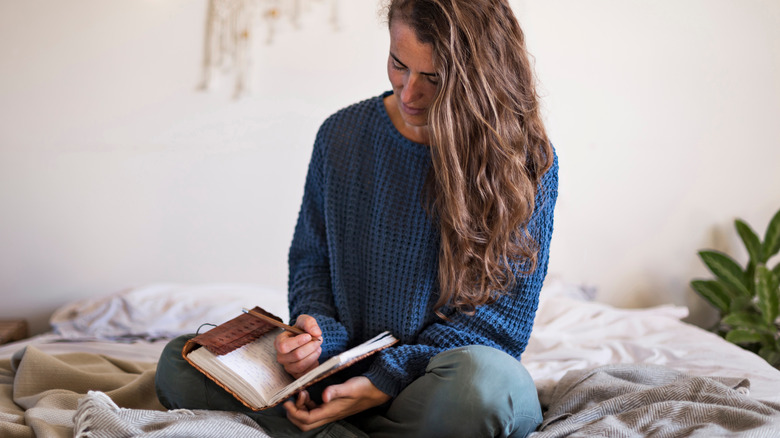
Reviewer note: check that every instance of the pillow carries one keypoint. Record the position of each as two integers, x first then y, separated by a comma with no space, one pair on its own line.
555,287
162,310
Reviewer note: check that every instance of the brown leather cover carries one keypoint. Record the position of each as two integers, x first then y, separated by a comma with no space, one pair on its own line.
233,334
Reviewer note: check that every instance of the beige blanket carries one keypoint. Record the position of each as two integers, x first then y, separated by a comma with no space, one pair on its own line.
39,393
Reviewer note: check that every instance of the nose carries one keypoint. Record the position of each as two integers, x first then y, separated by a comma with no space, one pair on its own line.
412,88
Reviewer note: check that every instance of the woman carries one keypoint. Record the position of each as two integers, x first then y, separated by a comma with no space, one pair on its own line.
427,212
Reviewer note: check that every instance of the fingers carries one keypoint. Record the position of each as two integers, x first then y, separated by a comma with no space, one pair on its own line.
300,353
358,388
300,357
304,401
306,415
332,392
339,401
300,402
309,325
297,368
287,342
300,412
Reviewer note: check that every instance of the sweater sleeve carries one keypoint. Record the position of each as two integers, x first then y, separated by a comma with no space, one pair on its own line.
309,282
504,324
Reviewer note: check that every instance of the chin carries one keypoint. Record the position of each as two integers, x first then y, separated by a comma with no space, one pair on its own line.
416,121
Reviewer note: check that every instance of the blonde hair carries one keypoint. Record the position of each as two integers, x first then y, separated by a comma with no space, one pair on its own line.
488,143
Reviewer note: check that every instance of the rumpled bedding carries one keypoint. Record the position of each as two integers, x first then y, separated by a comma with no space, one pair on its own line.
160,310
571,334
650,400
87,395
39,393
98,416
98,396
42,385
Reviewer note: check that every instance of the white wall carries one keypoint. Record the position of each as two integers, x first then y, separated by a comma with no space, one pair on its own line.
115,171
666,116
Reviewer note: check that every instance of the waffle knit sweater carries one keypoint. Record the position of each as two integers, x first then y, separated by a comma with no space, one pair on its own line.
364,256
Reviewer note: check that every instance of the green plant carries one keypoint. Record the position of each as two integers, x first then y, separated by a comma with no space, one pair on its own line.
748,299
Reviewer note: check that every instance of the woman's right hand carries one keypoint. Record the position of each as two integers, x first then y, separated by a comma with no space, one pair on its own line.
300,353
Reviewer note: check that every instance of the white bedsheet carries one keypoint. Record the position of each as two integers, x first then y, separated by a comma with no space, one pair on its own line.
571,334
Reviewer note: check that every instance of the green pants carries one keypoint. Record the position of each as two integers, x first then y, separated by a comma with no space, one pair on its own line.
473,391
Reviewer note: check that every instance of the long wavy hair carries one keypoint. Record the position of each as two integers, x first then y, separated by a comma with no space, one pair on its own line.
488,143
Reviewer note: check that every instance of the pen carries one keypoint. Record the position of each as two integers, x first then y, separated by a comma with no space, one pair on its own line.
275,322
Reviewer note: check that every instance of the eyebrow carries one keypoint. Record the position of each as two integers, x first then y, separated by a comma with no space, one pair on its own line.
433,75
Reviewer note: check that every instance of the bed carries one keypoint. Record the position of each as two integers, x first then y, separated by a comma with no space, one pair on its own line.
599,370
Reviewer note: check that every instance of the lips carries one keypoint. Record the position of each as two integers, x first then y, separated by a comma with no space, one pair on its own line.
412,111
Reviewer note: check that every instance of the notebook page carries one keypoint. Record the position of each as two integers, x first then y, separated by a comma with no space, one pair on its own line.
378,341
256,364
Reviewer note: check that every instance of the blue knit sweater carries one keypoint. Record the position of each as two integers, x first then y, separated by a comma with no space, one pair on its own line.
364,257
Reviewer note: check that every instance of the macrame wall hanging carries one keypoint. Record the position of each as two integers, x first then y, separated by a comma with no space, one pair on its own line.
231,28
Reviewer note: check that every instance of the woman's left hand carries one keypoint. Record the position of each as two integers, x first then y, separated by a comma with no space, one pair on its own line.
338,401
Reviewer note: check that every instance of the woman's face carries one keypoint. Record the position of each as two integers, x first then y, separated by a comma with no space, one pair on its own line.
412,75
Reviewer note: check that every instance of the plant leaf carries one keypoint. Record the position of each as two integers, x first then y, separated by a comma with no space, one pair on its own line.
714,292
776,275
741,304
770,355
751,241
748,320
766,291
744,336
772,237
726,269
750,275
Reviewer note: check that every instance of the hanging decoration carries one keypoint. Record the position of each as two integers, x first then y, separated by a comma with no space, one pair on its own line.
230,28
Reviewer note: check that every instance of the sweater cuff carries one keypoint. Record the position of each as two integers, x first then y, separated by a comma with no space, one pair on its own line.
385,382
334,337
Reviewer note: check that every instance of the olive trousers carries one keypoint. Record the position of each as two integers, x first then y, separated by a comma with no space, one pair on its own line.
472,391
